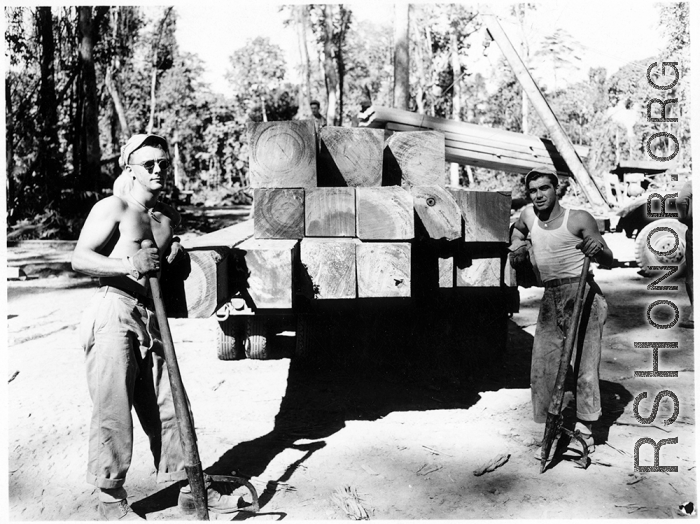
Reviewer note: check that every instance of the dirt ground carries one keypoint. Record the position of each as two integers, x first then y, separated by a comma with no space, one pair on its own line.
407,443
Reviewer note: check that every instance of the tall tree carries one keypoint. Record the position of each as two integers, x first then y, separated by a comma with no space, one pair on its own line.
301,15
401,57
161,59
87,152
47,166
257,70
369,71
558,52
521,11
119,41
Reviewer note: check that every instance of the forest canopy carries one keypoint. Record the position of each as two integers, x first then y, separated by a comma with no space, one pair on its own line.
81,79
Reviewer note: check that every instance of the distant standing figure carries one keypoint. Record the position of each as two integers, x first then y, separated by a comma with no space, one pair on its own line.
319,119
684,204
365,103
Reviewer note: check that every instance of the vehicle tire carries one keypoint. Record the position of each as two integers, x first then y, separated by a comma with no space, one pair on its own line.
256,343
231,335
662,241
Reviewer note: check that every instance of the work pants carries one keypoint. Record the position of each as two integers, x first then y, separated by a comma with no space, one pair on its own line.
126,367
552,325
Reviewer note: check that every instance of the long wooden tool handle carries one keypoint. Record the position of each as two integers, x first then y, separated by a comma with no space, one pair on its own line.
558,393
193,465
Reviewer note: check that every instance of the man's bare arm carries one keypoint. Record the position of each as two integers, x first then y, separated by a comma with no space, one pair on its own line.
593,244
520,229
101,224
518,247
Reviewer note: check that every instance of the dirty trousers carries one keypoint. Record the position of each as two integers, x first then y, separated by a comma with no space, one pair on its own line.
552,325
125,367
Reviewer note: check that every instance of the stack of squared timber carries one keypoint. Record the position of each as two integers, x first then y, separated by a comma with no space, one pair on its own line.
476,145
339,216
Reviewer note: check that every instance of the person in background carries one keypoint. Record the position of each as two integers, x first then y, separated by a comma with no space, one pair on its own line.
684,204
365,103
319,119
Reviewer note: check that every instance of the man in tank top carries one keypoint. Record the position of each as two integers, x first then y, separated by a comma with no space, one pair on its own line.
561,238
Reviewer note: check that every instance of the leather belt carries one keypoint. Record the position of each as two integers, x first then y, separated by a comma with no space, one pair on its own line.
141,299
561,281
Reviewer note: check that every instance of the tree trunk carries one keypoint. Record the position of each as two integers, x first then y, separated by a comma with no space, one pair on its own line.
154,74
329,66
401,63
521,10
9,154
87,127
152,117
420,67
262,108
344,23
301,12
117,101
47,154
456,93
177,178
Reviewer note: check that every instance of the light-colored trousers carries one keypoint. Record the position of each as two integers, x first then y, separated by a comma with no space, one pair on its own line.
126,367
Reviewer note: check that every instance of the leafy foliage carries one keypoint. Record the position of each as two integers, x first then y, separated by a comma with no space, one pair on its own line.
349,60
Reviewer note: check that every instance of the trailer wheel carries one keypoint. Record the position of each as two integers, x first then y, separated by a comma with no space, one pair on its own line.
231,335
670,233
257,331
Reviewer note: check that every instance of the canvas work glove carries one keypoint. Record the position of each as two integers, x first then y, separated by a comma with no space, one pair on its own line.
590,246
519,254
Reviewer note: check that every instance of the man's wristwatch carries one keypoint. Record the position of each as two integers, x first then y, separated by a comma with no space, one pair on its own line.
135,273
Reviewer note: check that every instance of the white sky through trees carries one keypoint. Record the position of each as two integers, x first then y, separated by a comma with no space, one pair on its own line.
611,33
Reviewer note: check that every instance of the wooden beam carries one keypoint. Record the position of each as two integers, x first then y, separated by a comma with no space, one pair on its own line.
446,272
497,157
383,269
379,117
278,213
329,267
264,272
483,272
419,156
330,212
595,196
475,145
462,132
384,213
350,157
226,237
282,154
206,288
486,214
438,212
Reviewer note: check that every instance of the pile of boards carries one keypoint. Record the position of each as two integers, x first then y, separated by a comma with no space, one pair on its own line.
346,213
476,145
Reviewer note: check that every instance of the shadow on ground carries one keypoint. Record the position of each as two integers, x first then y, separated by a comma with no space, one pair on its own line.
400,368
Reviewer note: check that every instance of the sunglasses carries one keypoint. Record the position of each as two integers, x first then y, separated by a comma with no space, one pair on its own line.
148,165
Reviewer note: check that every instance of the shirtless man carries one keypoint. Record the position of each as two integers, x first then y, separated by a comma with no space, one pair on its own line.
119,332
561,238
